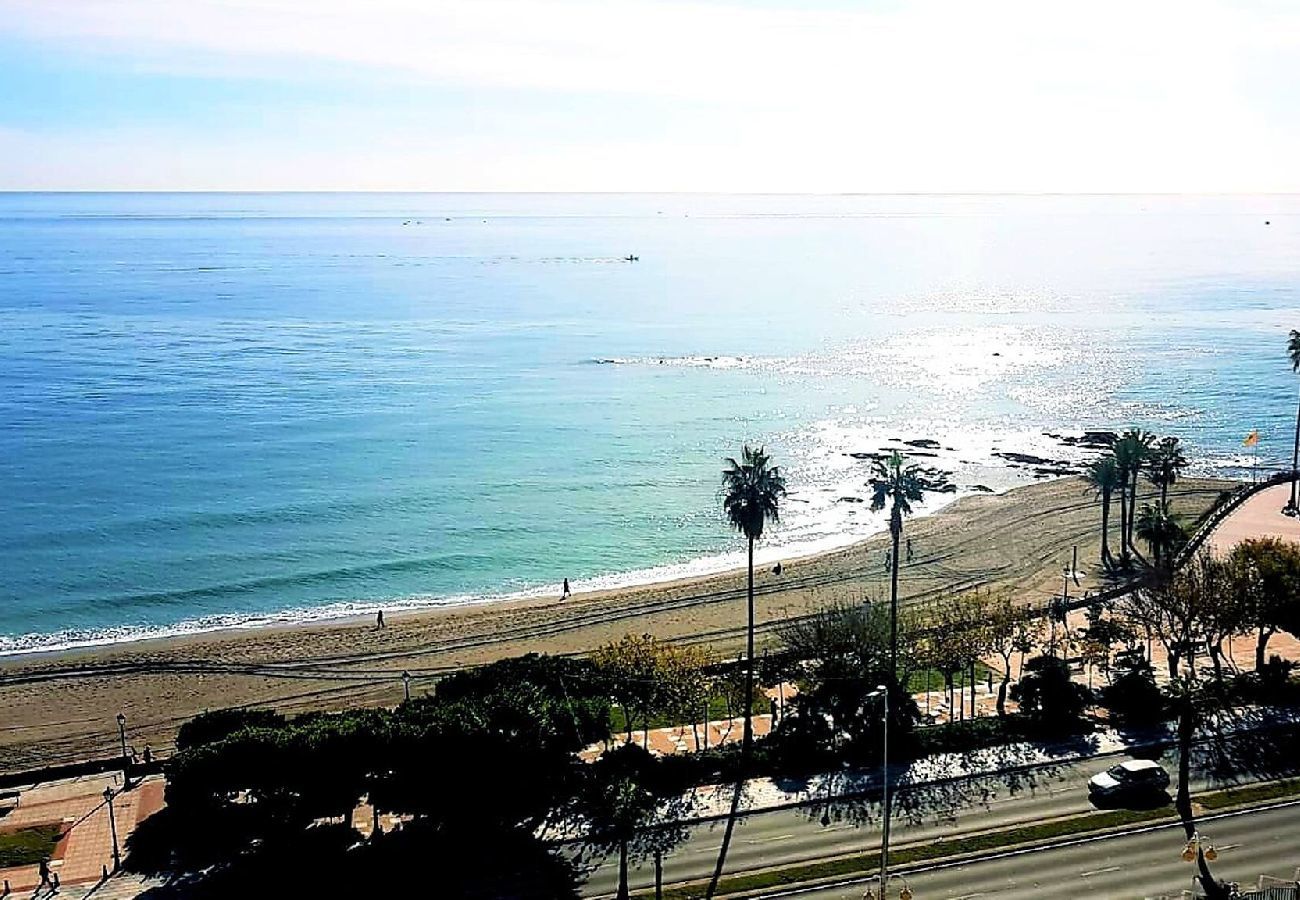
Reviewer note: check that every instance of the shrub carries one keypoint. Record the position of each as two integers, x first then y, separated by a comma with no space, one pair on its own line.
1133,697
210,727
1048,696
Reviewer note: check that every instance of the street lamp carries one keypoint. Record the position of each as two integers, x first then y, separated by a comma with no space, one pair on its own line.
121,733
112,827
1198,844
406,685
905,893
882,692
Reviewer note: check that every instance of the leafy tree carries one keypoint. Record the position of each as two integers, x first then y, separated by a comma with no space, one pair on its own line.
1266,574
687,684
1104,476
845,649
208,727
1048,696
956,638
1186,610
1133,697
1177,609
629,806
752,489
634,669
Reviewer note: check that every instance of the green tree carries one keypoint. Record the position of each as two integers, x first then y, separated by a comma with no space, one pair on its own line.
844,649
1131,451
635,671
1165,465
1008,627
1157,526
1048,696
1266,572
1104,476
897,486
1185,611
1293,352
629,807
752,491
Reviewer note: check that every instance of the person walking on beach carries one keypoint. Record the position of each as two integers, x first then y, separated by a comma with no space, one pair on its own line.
379,619
909,550
565,593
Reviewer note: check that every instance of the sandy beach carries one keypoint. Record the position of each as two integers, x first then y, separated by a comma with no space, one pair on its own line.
62,707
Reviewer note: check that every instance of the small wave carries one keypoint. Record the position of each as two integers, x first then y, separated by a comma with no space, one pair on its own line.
707,362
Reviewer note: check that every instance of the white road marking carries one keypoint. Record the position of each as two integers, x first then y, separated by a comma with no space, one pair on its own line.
1099,871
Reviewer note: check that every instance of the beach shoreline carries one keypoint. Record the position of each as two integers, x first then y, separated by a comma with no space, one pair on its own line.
60,705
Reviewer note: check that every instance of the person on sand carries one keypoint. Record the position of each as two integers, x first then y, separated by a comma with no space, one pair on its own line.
565,593
778,569
379,619
909,549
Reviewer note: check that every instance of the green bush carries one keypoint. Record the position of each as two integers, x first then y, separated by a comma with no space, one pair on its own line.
1133,697
210,727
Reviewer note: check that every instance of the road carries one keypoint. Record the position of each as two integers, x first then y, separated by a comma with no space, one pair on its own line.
788,836
1127,867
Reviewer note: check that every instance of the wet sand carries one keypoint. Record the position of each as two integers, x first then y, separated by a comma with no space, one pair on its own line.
62,707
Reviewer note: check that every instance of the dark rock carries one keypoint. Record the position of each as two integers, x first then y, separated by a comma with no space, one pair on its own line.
927,443
1026,459
850,500
981,489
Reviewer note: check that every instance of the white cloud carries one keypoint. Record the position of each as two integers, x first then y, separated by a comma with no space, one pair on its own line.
953,95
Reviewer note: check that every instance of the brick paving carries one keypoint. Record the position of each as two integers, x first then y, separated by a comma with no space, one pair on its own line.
78,805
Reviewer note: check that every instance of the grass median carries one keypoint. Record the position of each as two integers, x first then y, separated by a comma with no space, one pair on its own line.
1001,839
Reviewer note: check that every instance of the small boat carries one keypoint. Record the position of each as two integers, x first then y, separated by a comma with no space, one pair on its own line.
631,258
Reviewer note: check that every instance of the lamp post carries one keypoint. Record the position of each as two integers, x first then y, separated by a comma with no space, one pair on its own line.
883,692
112,827
126,760
406,685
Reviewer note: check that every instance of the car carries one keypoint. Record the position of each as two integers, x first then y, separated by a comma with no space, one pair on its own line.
1135,776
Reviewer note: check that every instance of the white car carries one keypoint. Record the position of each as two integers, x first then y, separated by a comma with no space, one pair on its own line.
1135,776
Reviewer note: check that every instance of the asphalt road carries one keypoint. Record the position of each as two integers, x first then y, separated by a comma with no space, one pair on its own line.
1128,867
789,836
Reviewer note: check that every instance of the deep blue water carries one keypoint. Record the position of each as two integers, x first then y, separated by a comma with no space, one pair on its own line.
216,409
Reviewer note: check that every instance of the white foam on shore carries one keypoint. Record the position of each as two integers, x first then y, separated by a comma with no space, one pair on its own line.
827,509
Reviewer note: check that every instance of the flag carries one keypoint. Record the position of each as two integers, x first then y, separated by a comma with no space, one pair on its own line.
1251,439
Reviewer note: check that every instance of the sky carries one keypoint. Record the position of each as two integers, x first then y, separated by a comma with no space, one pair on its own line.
651,95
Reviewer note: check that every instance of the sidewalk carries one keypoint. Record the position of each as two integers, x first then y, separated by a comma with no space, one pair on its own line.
77,805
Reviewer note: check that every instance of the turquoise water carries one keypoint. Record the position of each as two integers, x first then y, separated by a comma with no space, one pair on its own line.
230,409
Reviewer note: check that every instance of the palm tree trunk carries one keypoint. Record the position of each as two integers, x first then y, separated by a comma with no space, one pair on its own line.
1295,460
1106,560
1123,520
622,871
747,739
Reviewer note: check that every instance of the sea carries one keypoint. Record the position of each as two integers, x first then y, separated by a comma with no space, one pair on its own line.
229,410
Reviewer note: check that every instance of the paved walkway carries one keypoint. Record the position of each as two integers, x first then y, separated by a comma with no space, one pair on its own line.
77,805
1259,516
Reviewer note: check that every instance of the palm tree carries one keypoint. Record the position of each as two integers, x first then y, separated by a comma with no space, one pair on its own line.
1104,477
1293,351
751,497
1157,526
1165,466
1131,452
897,486
752,490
